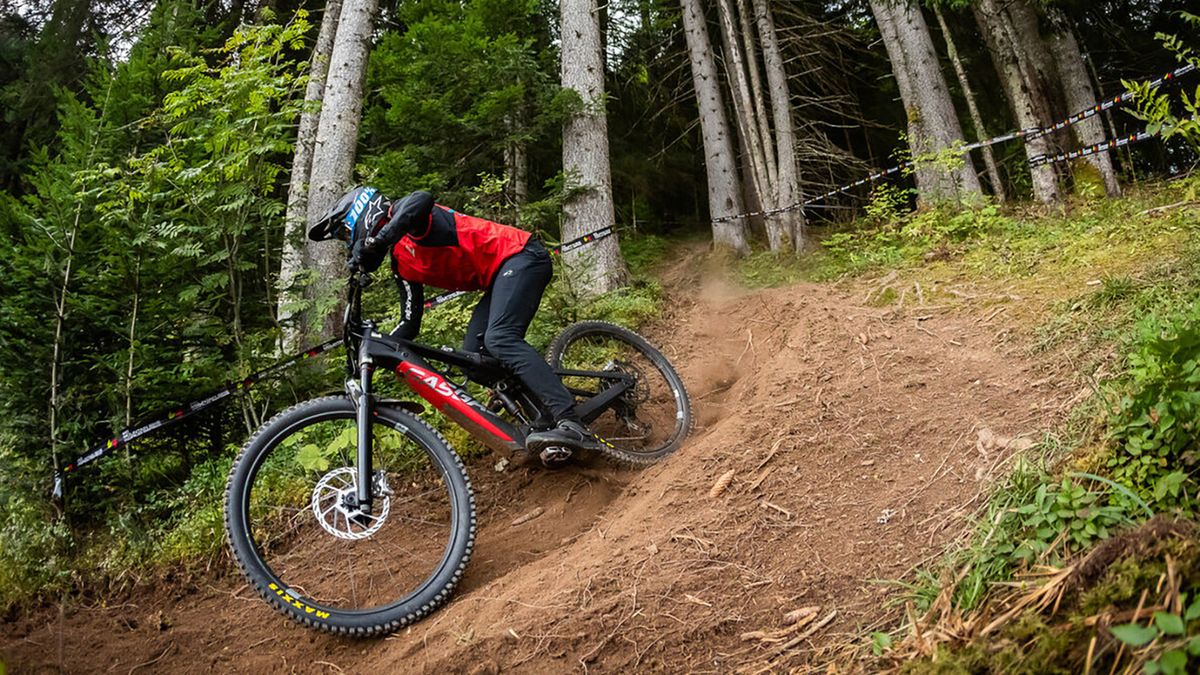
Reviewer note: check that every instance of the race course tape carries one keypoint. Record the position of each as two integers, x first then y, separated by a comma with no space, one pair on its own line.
1078,117
130,434
1092,149
178,413
1114,101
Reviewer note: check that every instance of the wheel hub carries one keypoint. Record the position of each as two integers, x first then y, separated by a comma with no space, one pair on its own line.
335,504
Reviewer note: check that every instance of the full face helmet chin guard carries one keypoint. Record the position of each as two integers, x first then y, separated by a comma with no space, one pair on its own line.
352,217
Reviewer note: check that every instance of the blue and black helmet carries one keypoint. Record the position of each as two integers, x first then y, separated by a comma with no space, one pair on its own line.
352,217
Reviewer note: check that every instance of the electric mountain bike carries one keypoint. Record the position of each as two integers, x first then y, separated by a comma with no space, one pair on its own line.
353,515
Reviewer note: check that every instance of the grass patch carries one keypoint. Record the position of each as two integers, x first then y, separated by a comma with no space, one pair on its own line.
1036,251
1155,568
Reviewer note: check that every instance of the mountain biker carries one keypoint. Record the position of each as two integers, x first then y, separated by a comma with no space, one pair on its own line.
434,245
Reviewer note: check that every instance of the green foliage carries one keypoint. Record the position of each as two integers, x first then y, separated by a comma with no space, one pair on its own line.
154,223
880,642
1158,453
1175,645
892,236
1063,642
946,160
942,227
33,546
459,87
1154,107
1031,518
194,530
889,203
1065,510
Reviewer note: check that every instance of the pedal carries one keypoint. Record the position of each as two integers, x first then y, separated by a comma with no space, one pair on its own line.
555,456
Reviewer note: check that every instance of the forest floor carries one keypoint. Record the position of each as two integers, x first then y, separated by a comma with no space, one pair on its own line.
859,439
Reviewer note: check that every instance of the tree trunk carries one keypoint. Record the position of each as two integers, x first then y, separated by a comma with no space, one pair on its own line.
516,169
724,185
761,119
598,267
748,125
917,136
1077,89
910,48
1025,90
337,140
516,161
788,175
60,320
295,252
132,342
1108,114
981,132
1038,68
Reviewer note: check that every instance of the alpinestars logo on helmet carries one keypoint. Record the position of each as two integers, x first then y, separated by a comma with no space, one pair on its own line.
368,208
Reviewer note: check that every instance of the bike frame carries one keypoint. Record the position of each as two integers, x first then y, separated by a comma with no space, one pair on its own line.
368,350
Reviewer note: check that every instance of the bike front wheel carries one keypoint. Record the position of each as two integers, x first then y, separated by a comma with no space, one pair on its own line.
297,535
652,417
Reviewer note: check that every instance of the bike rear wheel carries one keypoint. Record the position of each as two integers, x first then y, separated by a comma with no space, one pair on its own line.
647,422
299,539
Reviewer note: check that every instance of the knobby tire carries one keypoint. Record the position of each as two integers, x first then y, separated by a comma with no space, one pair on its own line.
685,420
355,622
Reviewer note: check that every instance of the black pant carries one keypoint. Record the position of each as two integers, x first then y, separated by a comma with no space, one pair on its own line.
503,316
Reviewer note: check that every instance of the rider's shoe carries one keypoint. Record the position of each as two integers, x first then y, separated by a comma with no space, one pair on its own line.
567,434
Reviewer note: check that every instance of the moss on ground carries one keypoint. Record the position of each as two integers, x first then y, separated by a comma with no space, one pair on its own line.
1110,581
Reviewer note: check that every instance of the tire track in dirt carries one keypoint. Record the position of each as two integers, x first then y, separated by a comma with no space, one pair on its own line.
851,434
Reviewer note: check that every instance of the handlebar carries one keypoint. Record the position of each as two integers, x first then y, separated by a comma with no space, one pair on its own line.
354,327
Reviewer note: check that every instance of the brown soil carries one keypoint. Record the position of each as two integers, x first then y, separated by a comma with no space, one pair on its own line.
852,436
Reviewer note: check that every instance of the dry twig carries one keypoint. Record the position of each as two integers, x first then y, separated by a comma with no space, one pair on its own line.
153,660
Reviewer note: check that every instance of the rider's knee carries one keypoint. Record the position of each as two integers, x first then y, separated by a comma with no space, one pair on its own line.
499,342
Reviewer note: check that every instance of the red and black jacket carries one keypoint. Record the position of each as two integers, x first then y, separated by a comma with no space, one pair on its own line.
440,247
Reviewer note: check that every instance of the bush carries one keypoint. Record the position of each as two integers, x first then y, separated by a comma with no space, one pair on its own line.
938,226
32,542
1155,427
889,204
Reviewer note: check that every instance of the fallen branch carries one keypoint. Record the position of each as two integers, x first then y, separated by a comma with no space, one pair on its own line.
528,516
1168,207
808,633
793,621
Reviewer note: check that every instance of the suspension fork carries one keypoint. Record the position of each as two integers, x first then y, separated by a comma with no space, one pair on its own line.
360,393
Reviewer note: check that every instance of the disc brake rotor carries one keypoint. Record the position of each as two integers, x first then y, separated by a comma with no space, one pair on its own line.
334,504
639,393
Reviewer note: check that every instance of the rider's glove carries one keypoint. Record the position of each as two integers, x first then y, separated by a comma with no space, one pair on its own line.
367,254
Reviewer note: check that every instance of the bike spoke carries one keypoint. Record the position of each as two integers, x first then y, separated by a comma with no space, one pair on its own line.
308,540
642,419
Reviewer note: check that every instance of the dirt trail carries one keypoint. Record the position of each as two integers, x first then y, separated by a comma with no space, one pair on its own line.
851,434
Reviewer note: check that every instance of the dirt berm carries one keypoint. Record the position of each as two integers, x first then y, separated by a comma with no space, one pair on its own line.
853,434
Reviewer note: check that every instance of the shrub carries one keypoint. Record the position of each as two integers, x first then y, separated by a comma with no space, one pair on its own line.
889,204
32,543
1155,427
